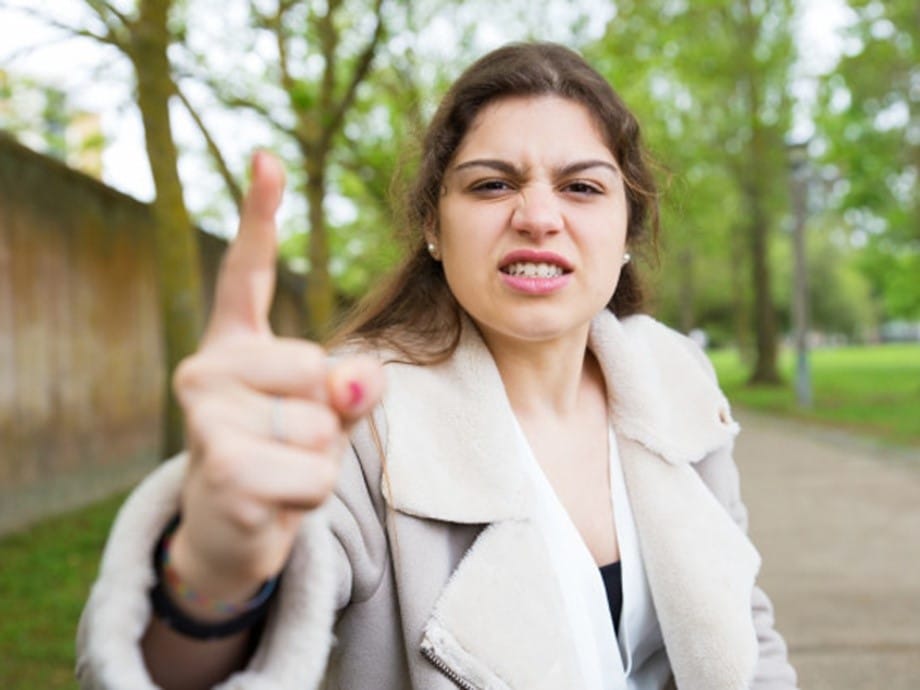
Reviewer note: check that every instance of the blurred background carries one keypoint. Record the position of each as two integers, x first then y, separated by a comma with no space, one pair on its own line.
786,137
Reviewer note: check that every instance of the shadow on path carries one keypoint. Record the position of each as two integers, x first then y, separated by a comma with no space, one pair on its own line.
837,521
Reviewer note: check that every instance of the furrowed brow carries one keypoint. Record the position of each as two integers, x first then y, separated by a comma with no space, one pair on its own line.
581,166
492,163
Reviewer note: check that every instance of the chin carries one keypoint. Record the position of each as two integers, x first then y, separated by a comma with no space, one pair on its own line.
537,330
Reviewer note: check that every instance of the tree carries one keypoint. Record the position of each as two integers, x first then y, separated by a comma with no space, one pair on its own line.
305,87
869,127
720,109
44,118
276,71
144,36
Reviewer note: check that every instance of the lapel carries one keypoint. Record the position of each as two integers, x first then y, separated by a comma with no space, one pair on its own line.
450,457
668,413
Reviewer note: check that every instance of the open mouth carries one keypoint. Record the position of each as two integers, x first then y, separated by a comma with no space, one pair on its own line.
528,269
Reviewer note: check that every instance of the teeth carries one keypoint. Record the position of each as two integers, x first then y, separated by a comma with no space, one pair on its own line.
523,269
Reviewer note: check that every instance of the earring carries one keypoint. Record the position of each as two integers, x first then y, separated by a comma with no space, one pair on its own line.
626,258
433,250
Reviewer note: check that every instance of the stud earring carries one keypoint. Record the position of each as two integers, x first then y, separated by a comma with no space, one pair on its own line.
433,250
626,258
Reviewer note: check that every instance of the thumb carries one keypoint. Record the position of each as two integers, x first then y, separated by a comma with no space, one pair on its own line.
246,280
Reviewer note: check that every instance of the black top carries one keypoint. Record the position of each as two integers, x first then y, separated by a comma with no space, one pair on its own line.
613,584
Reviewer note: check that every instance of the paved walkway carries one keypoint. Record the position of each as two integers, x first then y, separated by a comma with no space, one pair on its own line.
838,524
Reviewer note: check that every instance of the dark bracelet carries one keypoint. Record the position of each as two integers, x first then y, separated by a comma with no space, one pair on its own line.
245,615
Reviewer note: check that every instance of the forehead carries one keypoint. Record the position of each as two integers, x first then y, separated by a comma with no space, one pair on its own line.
534,128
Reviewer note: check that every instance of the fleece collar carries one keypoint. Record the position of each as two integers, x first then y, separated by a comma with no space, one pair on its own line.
451,453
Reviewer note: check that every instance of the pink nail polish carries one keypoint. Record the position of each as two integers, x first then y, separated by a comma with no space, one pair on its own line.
355,393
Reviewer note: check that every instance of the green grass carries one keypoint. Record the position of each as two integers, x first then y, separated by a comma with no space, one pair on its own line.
45,575
872,390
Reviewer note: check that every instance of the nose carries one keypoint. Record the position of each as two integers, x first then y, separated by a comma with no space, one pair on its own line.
537,212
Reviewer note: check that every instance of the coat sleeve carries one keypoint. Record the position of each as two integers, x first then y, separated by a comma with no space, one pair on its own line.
338,554
773,671
720,473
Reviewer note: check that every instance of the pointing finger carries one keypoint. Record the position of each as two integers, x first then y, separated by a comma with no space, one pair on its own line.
246,281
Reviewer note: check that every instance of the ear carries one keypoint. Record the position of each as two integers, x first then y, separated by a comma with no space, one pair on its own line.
430,230
431,239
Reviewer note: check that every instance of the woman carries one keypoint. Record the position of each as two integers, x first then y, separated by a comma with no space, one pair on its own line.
544,496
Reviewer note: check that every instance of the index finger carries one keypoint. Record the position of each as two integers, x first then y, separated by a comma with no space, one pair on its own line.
246,280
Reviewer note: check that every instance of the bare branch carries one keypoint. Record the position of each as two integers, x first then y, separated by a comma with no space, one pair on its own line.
261,111
329,41
107,38
362,68
277,24
25,51
101,7
232,186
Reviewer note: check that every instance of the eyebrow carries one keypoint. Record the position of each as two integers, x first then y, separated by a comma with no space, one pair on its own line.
563,171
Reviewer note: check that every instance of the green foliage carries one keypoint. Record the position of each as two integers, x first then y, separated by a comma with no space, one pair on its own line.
874,390
40,115
869,126
45,578
714,112
839,294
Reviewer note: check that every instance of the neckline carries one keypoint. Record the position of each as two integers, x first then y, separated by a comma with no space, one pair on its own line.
610,567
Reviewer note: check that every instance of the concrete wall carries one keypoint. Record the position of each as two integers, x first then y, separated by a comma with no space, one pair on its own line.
81,372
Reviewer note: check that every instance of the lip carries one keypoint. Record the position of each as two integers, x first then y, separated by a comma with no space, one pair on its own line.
536,286
536,257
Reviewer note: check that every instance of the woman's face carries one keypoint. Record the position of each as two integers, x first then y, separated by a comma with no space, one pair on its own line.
532,220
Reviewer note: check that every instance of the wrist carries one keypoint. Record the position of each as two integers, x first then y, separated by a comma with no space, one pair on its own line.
199,587
198,614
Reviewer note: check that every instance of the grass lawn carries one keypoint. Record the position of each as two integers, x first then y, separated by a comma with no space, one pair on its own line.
45,574
873,390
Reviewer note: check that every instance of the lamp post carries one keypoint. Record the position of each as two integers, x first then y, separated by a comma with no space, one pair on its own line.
798,181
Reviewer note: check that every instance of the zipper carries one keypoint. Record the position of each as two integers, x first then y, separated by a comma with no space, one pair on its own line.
432,656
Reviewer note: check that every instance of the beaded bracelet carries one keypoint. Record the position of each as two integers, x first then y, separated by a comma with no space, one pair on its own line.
244,616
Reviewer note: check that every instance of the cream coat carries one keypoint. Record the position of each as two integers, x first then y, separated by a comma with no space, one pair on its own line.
427,566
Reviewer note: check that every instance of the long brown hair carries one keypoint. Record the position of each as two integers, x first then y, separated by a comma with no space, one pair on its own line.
414,313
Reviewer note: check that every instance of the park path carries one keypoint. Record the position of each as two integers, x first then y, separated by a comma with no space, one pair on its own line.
837,521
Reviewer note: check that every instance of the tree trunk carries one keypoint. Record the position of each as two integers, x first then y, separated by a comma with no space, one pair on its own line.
739,303
177,257
765,370
686,300
319,295
753,186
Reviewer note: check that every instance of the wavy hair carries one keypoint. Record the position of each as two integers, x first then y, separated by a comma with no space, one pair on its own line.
414,313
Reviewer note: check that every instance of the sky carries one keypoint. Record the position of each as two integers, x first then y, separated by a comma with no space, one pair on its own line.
98,80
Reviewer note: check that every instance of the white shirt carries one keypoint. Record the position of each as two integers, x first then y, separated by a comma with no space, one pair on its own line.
633,658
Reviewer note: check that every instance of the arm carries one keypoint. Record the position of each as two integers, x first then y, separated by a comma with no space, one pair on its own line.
773,672
720,473
267,423
297,635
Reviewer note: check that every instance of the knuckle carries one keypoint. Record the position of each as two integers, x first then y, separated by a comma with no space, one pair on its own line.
203,415
191,373
313,352
325,477
325,427
310,359
219,462
250,517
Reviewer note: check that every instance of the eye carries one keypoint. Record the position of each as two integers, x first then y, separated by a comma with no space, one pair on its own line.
583,188
491,186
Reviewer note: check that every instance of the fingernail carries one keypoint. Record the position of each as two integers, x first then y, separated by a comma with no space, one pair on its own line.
256,161
355,393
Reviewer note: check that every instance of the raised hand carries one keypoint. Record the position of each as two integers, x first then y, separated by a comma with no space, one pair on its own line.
266,417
